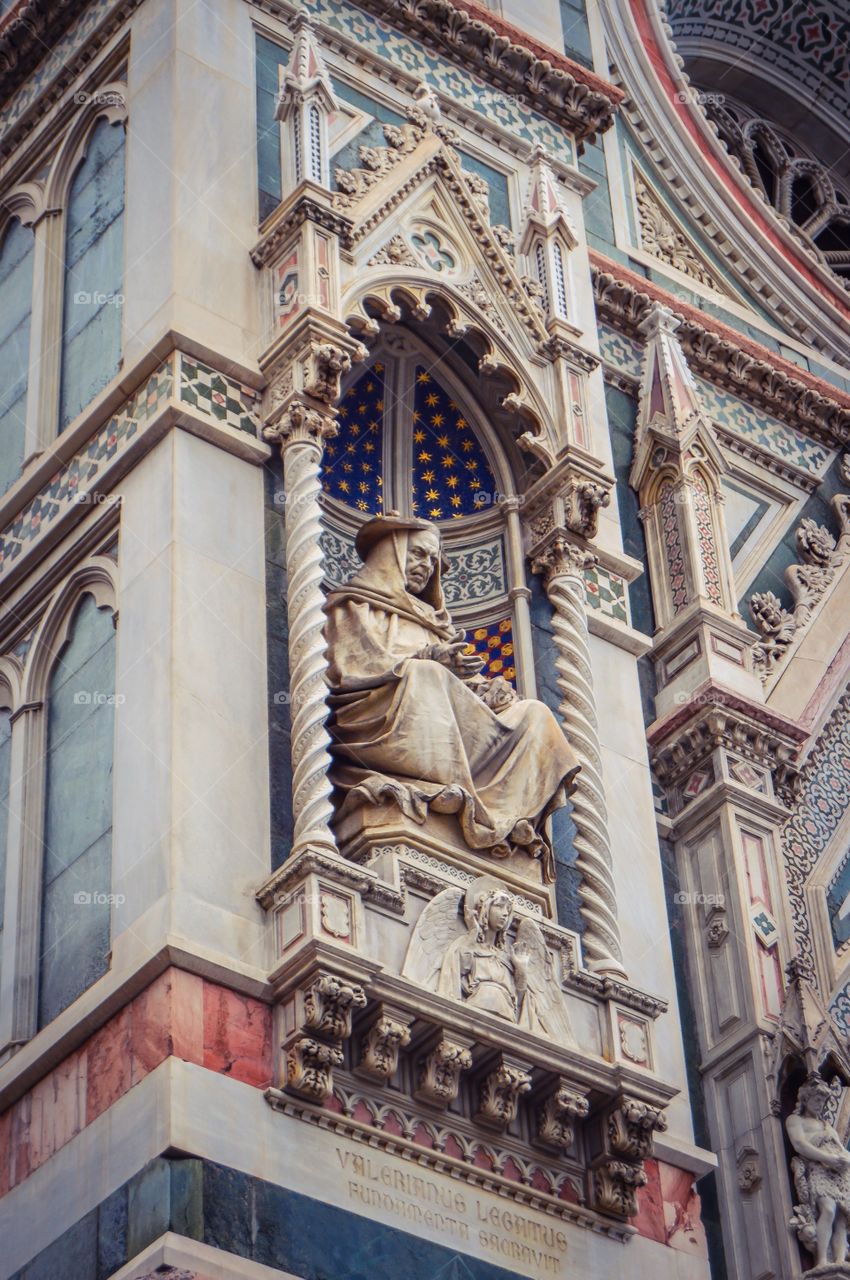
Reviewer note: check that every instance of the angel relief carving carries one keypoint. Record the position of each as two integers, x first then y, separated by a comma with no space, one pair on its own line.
461,948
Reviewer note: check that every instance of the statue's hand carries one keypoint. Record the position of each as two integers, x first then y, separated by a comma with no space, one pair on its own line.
451,654
521,961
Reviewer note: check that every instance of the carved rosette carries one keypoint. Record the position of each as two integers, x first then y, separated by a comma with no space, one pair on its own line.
439,1072
301,432
500,1093
309,1068
380,1046
556,1119
562,564
329,1005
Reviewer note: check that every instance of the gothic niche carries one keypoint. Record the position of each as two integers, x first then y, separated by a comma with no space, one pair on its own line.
416,725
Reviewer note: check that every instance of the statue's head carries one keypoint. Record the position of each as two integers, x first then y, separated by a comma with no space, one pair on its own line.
406,545
813,1096
423,555
488,906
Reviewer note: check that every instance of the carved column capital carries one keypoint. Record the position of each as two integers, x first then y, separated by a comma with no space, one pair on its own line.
559,557
439,1071
380,1046
500,1093
298,423
556,1119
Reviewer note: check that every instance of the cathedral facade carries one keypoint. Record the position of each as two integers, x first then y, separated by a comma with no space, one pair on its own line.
424,660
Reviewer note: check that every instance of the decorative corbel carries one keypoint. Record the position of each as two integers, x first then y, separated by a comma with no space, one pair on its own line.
380,1046
500,1092
329,1004
439,1073
309,1068
556,1119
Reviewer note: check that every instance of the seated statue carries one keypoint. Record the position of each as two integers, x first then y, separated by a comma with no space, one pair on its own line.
415,722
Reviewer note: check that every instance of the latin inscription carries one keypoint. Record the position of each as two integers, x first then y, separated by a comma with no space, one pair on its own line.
510,1236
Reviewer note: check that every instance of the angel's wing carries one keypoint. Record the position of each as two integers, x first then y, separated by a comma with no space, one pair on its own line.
437,927
548,1007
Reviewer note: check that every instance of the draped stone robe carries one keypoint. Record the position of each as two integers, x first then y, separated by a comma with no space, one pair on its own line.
406,728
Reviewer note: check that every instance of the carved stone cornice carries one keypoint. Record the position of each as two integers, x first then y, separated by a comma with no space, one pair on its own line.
716,717
724,357
380,1046
308,203
501,54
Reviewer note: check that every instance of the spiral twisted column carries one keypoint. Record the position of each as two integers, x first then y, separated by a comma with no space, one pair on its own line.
301,433
562,563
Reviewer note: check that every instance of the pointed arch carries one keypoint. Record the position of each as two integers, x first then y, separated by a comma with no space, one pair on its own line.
107,103
96,577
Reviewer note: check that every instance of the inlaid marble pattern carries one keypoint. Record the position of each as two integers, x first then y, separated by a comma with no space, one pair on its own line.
72,482
707,548
673,547
220,398
466,89
495,641
218,395
623,353
606,593
820,807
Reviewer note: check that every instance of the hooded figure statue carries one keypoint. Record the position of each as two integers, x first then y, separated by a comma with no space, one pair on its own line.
414,721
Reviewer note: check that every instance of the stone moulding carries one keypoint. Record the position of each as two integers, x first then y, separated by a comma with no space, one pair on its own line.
435,1157
715,717
500,53
725,357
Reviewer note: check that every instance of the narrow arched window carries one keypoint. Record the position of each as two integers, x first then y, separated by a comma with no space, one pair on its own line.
5,780
94,272
16,261
77,857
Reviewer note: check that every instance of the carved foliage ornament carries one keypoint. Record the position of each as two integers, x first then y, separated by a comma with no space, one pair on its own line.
500,1094
439,1072
556,1121
662,238
821,558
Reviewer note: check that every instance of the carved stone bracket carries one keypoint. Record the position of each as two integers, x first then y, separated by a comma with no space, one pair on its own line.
380,1046
631,1126
439,1071
329,1004
500,1093
309,1068
556,1119
615,1185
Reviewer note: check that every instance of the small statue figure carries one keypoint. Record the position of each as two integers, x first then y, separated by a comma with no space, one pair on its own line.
461,948
821,1170
415,722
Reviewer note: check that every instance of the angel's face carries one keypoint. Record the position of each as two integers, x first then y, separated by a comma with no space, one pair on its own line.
501,911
